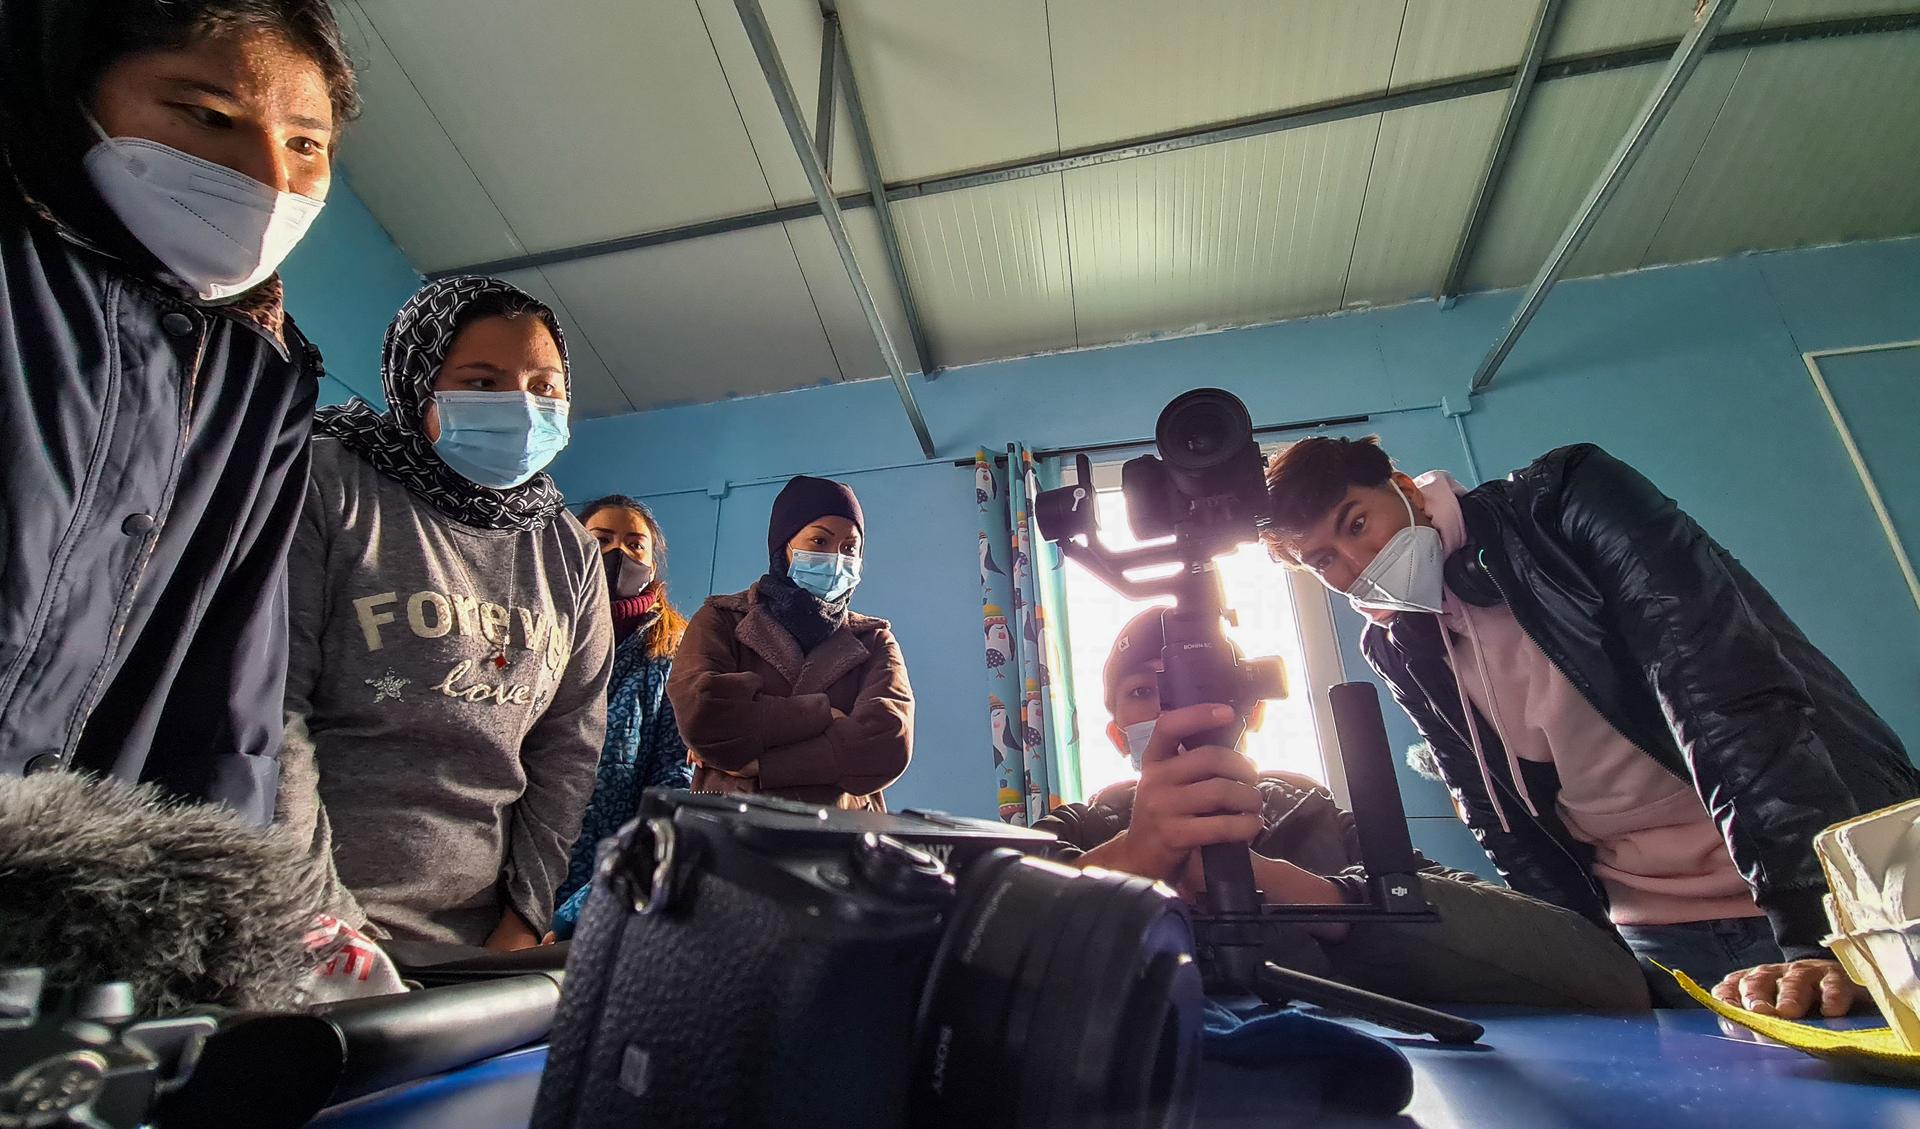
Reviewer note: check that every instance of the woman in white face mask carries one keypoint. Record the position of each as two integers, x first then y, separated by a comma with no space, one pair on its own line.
157,162
783,688
451,641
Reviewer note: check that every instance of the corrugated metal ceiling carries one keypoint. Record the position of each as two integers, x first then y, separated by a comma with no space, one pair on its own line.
497,128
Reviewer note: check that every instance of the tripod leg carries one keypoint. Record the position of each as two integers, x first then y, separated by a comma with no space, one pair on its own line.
1281,985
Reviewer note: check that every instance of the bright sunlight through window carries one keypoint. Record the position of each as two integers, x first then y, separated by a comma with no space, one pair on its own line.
1258,589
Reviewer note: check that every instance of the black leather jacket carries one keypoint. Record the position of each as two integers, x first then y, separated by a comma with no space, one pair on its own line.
1684,653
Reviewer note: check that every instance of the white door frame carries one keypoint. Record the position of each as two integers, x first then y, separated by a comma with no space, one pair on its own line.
1812,361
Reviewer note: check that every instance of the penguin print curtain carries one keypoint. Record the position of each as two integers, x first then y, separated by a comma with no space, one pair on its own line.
1031,724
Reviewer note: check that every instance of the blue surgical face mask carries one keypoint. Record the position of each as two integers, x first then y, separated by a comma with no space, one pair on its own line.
499,439
1139,735
826,575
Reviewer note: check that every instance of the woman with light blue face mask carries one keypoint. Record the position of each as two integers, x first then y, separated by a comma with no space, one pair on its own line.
450,634
785,689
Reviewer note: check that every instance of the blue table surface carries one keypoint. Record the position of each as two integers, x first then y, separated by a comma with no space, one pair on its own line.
1534,1069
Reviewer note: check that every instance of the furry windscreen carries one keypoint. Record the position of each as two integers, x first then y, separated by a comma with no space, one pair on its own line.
101,881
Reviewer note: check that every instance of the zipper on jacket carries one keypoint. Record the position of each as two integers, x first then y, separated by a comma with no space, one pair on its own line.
130,591
1583,869
1579,684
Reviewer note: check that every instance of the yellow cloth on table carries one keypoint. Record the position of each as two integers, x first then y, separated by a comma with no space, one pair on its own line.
1877,1050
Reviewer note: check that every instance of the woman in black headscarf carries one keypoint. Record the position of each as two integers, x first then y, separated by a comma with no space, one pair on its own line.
451,641
784,688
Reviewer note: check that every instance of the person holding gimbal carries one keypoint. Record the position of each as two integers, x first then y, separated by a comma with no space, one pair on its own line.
1491,945
1633,727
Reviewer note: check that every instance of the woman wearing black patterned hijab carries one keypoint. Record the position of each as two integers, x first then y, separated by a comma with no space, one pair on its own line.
403,443
450,636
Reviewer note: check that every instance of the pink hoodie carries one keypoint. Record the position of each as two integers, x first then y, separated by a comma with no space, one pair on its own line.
1656,850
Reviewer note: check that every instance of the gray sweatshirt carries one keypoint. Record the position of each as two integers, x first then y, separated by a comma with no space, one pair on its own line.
438,786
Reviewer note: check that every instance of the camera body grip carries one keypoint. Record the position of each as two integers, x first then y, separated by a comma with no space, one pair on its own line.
756,998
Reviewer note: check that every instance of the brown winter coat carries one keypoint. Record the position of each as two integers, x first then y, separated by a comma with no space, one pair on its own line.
758,715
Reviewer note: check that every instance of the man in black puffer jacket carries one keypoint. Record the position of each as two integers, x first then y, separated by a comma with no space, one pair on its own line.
157,161
1628,722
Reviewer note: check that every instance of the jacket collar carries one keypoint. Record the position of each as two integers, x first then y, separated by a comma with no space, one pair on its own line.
843,652
1511,546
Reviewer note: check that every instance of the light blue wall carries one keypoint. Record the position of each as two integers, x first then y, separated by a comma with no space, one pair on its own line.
345,282
1693,374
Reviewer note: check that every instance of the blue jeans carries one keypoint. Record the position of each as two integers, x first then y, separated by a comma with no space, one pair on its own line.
1704,950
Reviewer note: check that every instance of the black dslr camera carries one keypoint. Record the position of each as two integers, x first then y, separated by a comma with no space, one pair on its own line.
1207,492
1207,485
746,961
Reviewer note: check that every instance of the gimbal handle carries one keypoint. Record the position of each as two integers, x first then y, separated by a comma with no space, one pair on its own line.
1197,668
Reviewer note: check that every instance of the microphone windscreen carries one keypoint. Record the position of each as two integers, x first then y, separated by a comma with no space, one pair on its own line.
101,881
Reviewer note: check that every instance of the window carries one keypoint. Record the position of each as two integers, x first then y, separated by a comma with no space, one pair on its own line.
1281,612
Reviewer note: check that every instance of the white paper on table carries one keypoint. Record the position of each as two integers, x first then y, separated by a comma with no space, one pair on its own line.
1873,879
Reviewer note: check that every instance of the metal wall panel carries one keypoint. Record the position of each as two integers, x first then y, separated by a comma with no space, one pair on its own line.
1445,39
728,315
1570,129
990,269
1620,237
1796,11
1247,231
951,86
1123,68
1424,172
1588,27
796,30
1819,142
407,170
854,349
586,120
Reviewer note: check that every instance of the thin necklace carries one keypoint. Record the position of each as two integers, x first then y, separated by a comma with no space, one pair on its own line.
499,657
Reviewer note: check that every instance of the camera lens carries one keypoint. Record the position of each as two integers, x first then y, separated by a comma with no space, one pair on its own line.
1202,429
1059,998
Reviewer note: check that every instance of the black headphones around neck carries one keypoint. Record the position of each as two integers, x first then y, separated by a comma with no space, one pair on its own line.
1467,577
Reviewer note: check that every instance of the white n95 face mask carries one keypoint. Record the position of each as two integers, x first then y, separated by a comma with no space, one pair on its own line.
220,232
1138,735
1408,575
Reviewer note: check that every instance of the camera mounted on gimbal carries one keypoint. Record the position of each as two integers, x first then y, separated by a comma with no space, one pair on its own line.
1206,492
1202,495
